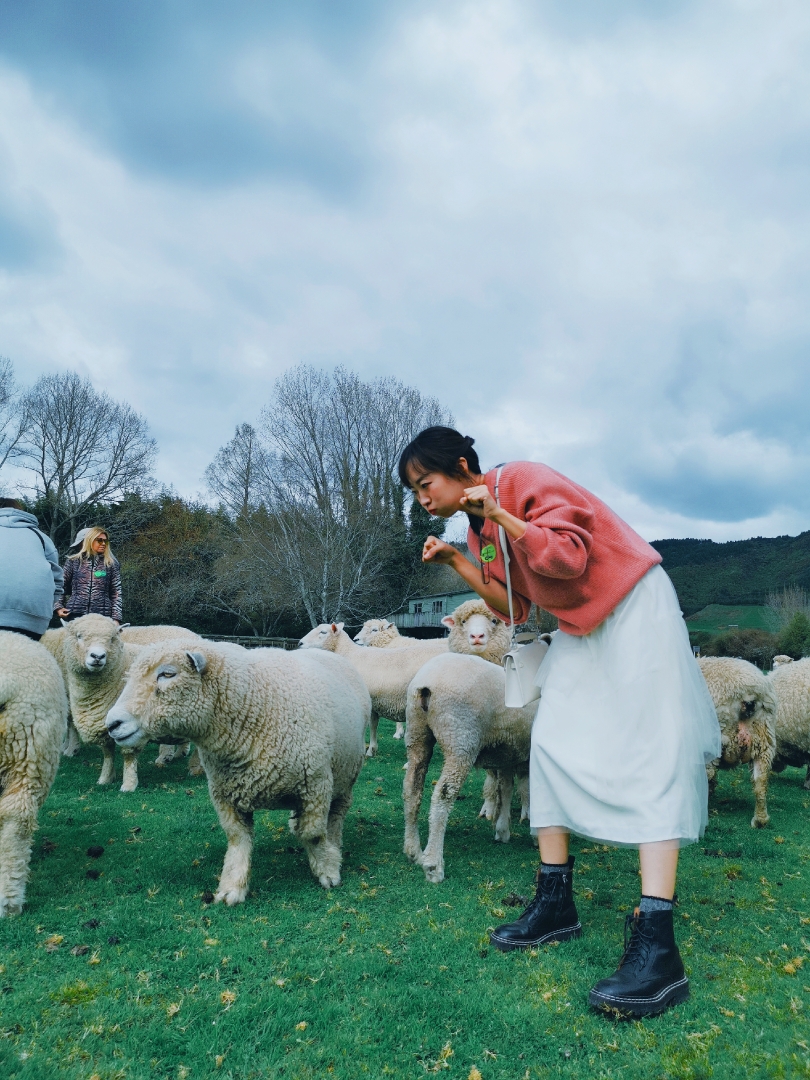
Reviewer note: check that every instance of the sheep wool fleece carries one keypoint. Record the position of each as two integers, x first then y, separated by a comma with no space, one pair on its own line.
33,720
625,726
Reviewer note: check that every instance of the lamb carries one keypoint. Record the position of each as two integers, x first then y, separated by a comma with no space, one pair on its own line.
274,729
457,701
33,718
386,672
781,659
97,660
474,630
790,683
382,634
746,710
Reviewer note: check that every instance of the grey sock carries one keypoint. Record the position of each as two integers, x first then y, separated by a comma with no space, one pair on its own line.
654,903
553,868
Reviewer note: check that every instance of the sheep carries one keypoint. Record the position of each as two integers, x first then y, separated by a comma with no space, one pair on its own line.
136,635
474,630
790,683
457,701
33,718
97,660
780,660
148,635
382,634
746,710
386,672
274,729
52,640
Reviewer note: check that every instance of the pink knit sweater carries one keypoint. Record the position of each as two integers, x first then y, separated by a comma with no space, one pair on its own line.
577,559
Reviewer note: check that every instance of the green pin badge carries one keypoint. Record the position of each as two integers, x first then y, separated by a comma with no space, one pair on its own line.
488,553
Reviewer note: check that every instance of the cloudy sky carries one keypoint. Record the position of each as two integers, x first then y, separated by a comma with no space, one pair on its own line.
582,226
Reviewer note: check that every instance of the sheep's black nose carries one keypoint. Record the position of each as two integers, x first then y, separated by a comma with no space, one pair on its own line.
113,726
98,655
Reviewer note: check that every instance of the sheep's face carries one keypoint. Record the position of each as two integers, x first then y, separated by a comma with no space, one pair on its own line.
164,698
324,636
474,632
375,632
779,661
91,642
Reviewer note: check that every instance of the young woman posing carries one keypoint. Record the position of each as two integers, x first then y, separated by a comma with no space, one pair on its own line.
92,578
625,722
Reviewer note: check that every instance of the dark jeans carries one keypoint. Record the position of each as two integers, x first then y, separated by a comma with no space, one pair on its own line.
18,630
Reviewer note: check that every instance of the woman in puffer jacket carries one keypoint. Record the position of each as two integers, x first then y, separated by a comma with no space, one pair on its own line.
92,578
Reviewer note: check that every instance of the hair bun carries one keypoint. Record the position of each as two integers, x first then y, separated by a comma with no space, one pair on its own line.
469,441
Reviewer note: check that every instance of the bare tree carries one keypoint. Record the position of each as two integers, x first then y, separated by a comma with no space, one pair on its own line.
81,448
236,473
334,532
13,415
792,600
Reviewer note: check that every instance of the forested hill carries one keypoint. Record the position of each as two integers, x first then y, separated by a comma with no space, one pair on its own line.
738,572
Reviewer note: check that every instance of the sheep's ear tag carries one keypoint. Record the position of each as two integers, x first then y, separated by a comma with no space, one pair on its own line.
488,553
198,661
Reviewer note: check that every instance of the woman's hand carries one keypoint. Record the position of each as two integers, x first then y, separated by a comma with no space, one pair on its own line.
62,612
436,551
478,500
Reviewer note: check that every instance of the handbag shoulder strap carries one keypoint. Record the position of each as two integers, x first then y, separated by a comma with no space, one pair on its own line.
505,550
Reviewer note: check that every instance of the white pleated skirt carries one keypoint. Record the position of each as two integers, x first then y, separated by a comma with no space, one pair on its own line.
625,726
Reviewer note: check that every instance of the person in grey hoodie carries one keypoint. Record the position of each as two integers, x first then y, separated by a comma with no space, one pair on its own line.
30,574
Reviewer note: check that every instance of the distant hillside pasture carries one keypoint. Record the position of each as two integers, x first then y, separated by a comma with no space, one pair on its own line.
740,572
717,618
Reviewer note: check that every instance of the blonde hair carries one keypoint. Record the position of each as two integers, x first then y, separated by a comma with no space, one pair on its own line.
87,546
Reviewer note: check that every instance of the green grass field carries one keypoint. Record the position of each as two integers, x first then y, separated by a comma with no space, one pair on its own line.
129,973
717,618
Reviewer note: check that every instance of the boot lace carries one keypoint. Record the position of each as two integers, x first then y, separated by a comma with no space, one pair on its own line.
641,937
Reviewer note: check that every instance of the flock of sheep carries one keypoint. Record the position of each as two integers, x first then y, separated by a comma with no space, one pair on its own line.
275,729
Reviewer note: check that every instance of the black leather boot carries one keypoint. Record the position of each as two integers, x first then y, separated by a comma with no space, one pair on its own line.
551,916
650,975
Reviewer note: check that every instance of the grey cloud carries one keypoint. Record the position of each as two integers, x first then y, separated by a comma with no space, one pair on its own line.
581,226
161,84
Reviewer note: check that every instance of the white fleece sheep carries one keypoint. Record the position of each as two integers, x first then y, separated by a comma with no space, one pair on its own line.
52,640
33,717
382,634
791,684
148,635
457,701
781,659
97,660
135,635
275,729
386,672
475,631
746,709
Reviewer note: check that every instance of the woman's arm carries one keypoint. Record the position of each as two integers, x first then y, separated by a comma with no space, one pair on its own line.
436,551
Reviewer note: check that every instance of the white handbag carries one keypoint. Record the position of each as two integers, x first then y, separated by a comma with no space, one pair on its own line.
522,662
